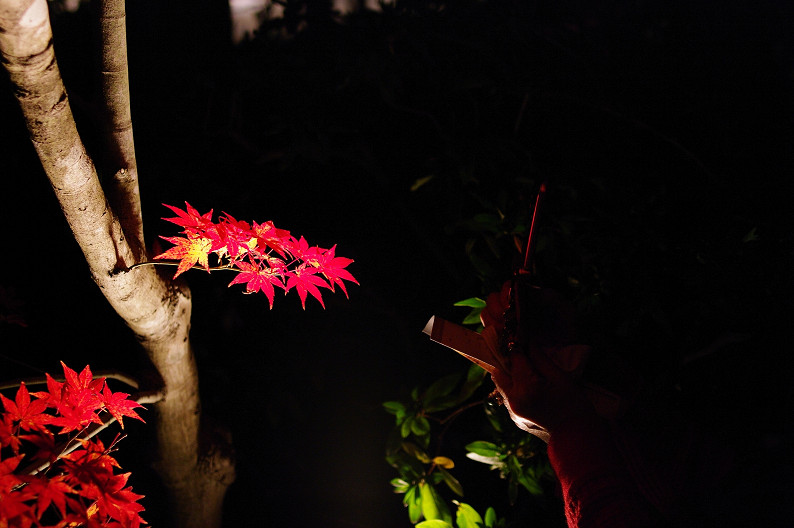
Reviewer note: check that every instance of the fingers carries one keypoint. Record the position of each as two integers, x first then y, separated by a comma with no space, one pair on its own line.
503,381
493,313
495,305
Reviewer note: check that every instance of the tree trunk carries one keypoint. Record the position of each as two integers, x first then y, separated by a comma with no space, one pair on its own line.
125,197
197,472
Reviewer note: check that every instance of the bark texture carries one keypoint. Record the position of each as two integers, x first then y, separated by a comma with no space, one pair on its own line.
115,86
196,470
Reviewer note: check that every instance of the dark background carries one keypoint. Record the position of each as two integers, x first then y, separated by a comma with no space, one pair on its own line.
663,128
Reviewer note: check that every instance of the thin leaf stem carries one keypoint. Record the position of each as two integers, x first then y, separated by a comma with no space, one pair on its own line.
175,263
458,411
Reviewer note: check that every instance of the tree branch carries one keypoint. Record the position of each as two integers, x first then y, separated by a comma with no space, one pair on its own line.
125,197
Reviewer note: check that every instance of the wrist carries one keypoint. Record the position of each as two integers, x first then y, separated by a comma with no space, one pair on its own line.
581,446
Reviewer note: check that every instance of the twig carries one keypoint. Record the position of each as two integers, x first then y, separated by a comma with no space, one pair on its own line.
41,380
171,263
92,430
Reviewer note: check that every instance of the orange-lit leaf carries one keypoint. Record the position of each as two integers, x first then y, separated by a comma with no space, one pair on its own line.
188,251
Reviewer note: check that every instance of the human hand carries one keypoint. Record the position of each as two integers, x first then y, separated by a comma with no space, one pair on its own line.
539,385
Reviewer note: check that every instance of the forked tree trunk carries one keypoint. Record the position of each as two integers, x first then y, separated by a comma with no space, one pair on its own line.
196,472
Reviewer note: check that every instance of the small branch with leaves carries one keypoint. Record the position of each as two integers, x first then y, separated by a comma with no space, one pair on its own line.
68,478
263,256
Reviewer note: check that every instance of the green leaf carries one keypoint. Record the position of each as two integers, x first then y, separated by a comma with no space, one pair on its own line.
474,378
394,407
467,517
434,523
490,517
490,460
414,450
433,506
530,484
414,502
408,466
514,465
429,507
481,447
475,374
441,388
400,485
473,317
471,302
420,426
451,482
405,428
477,305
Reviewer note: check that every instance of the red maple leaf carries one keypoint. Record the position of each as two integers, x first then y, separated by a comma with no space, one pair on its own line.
258,278
28,414
7,436
119,502
8,479
300,249
333,268
191,218
305,280
118,404
90,468
236,236
49,490
90,472
269,236
81,383
45,447
14,510
189,251
54,393
76,400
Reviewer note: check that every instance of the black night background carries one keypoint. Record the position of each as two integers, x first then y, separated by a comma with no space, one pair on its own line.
413,138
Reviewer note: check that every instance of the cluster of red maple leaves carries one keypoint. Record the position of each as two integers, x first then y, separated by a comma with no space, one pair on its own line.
57,486
263,256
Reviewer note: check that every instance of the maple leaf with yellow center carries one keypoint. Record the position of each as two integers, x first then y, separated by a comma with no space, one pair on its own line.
188,251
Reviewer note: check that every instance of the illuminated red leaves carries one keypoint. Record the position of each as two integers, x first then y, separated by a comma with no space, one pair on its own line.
263,256
79,488
257,279
119,406
79,399
189,252
24,413
91,469
334,269
305,280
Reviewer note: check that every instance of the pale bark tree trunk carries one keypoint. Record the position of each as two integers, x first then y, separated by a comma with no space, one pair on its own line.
195,470
125,198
